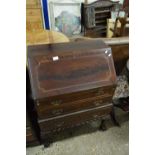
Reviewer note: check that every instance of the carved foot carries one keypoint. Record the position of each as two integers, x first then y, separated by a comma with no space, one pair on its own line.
113,117
103,126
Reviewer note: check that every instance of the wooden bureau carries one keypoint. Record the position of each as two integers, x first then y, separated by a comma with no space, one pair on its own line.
72,84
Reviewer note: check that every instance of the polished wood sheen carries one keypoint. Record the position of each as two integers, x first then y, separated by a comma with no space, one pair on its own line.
72,84
120,50
80,66
71,120
50,110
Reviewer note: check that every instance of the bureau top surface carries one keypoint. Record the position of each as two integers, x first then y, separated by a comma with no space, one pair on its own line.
64,68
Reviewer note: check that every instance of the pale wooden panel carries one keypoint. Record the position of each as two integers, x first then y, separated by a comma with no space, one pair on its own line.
33,3
45,37
34,26
34,20
33,12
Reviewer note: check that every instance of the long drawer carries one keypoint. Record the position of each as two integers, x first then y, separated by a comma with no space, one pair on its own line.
74,119
66,99
51,110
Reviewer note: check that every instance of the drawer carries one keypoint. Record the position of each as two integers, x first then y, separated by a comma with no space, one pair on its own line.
51,110
74,119
66,99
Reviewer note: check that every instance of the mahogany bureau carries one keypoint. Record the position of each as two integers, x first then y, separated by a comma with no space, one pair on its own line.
72,84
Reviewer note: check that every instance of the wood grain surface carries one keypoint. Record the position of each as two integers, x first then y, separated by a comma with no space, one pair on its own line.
80,66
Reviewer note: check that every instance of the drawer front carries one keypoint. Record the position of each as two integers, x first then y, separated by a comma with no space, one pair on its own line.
74,119
54,110
34,19
66,99
32,3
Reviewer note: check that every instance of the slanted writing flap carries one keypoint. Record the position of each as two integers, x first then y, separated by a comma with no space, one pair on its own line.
69,67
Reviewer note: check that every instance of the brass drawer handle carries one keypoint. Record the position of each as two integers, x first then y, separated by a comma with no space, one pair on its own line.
56,102
57,112
97,103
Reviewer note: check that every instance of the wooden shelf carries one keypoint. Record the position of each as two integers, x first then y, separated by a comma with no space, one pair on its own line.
100,21
103,16
104,11
101,28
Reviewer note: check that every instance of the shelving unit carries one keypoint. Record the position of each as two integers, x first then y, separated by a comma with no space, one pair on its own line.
95,18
